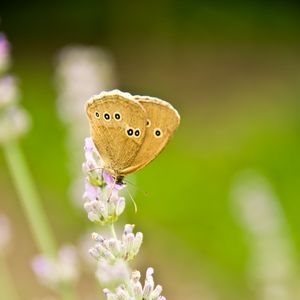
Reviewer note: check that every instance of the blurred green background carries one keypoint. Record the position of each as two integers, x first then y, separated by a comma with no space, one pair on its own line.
233,72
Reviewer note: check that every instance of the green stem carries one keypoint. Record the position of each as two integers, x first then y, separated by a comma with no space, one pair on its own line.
113,231
8,290
32,206
68,293
29,198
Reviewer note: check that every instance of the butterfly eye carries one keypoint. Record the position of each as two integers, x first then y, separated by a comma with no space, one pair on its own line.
97,115
148,123
117,116
137,132
106,116
129,132
157,133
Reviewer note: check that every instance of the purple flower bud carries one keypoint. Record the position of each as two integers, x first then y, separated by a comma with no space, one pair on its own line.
136,276
89,146
91,192
149,272
120,206
156,292
128,228
108,179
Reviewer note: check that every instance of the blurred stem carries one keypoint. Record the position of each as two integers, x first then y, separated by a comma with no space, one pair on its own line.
29,198
113,231
8,290
32,206
68,293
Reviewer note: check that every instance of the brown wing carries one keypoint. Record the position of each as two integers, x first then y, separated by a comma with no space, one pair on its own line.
117,123
162,122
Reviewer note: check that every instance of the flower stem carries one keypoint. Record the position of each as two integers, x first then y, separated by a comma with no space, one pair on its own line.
29,198
68,293
32,206
8,290
113,231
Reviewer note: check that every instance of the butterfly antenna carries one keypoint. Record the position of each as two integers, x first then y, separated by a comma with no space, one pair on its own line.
138,188
134,203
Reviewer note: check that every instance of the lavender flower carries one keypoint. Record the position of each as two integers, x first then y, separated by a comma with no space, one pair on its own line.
113,249
9,92
257,209
14,121
4,53
104,205
80,72
102,201
54,273
134,290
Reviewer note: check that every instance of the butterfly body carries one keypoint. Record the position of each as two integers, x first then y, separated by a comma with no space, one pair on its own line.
129,131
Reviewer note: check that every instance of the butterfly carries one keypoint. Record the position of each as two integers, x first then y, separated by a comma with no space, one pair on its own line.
129,131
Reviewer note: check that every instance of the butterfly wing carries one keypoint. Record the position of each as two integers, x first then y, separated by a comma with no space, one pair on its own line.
117,123
161,123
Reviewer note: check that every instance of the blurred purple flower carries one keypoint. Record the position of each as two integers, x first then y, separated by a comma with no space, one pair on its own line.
41,266
9,92
14,121
4,53
4,44
53,273
5,233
